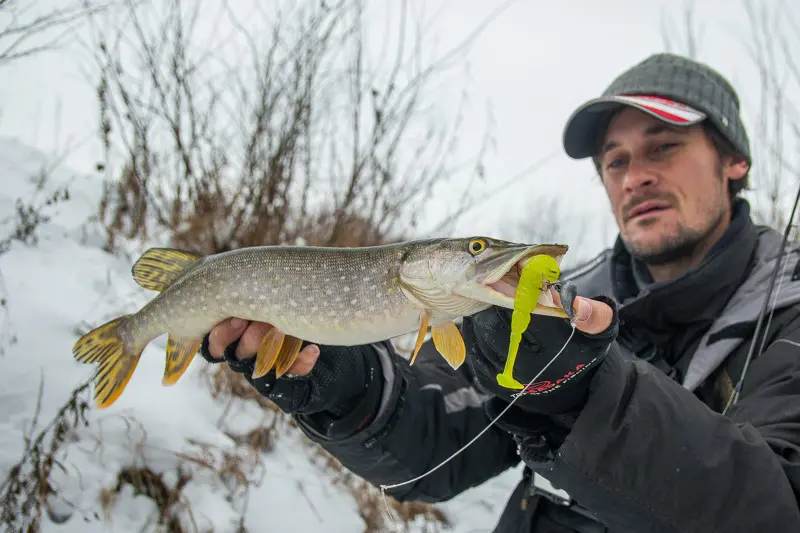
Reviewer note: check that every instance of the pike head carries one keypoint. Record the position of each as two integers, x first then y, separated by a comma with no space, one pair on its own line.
463,276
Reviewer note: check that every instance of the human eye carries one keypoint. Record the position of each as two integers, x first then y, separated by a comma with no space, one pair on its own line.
665,147
612,163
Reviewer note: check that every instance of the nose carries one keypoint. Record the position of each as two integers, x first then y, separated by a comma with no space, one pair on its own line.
638,176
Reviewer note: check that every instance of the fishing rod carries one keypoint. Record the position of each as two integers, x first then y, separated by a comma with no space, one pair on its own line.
781,251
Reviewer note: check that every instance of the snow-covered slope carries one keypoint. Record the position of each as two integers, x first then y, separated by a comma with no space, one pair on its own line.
65,284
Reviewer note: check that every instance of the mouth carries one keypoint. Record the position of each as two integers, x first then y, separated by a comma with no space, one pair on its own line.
499,287
647,208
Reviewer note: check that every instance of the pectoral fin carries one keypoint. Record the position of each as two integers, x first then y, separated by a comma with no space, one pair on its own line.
449,343
287,354
179,354
423,329
268,352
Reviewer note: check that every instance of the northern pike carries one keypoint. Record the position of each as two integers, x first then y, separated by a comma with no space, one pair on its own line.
322,295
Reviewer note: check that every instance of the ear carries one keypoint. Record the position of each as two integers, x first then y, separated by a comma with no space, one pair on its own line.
737,168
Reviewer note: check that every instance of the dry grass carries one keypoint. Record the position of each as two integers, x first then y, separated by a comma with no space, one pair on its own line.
150,484
285,144
227,385
26,491
372,504
236,470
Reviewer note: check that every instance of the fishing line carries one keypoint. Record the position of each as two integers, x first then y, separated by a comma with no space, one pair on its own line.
781,250
735,396
467,445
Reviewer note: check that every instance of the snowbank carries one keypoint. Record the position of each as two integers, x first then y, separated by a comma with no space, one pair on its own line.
65,284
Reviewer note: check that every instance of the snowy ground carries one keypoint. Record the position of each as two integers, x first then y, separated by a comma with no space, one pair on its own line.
66,283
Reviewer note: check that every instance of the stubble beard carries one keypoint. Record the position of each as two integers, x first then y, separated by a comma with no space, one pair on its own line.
677,247
681,245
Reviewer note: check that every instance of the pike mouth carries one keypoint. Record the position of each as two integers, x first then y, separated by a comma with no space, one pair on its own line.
500,286
508,283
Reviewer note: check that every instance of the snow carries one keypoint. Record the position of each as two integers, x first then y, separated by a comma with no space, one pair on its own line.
66,283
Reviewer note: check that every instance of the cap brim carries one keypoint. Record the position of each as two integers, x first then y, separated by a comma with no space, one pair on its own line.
583,127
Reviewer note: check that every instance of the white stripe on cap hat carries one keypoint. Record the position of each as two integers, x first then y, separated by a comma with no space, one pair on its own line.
664,107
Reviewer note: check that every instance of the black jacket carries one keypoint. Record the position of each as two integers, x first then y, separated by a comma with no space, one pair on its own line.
650,450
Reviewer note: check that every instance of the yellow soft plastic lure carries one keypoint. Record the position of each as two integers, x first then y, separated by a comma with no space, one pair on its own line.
532,281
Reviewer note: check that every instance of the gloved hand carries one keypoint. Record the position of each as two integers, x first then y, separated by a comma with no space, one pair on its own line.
563,386
333,380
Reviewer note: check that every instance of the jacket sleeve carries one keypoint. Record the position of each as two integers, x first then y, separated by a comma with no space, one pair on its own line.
423,414
646,455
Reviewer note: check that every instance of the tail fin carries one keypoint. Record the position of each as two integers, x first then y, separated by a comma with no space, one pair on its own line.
103,345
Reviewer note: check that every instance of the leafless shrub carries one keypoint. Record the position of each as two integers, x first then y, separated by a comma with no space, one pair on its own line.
554,220
33,212
27,489
302,139
24,226
24,32
771,46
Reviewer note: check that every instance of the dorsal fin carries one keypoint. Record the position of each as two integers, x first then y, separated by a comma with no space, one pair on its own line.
158,267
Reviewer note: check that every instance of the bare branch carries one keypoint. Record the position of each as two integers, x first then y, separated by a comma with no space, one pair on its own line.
24,33
296,131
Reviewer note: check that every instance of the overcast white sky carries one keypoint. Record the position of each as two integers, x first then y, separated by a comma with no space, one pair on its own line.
534,64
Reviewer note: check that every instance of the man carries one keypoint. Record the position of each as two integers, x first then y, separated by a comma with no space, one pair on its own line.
632,421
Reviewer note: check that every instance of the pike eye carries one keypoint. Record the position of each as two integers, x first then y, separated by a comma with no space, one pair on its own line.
477,246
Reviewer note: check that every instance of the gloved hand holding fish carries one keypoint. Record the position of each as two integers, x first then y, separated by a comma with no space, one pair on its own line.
328,296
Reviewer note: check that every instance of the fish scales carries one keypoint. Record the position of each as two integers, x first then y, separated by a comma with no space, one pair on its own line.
335,296
317,295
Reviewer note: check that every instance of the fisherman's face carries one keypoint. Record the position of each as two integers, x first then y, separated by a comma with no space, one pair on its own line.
667,186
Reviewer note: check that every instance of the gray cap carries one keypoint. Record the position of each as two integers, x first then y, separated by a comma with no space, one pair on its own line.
672,88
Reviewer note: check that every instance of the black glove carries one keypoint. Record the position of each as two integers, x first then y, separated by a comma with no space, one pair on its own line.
344,387
563,386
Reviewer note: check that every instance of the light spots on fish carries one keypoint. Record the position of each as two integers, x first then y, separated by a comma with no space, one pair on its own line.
346,288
